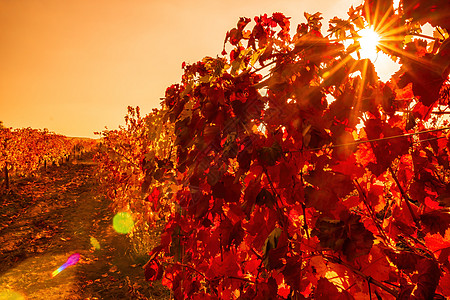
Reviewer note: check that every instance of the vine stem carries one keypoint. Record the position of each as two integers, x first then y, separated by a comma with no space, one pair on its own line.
242,279
440,32
126,158
305,225
405,197
188,267
424,36
369,279
204,276
276,203
372,214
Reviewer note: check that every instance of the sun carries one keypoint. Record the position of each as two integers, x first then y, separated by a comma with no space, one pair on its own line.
368,42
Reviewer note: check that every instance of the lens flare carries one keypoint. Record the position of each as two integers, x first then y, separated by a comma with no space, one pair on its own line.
11,295
95,243
123,222
72,260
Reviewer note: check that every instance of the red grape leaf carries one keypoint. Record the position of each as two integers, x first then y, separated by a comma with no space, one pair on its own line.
338,184
429,275
227,265
436,221
326,290
268,156
153,270
347,235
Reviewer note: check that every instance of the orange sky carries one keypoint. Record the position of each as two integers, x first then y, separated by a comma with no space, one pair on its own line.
73,66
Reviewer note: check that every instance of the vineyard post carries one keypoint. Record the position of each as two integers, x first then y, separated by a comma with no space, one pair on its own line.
5,169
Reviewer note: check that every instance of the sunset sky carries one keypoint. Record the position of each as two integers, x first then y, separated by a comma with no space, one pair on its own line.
73,66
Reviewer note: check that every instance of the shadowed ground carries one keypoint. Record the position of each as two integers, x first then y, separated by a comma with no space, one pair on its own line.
46,219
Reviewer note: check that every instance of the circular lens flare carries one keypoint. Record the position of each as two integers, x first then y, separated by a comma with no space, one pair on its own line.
95,243
368,41
123,222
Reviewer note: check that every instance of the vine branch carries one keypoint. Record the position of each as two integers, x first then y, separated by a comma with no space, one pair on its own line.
369,279
405,196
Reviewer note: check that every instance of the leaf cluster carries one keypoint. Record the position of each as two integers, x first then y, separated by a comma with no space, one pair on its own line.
299,174
134,164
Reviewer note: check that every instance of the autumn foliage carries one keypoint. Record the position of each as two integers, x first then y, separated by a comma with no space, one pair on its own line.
134,159
298,174
24,151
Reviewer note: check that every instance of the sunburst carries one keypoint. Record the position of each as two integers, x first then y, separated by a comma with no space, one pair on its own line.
369,41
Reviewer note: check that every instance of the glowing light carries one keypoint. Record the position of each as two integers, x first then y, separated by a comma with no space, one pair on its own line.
123,222
72,260
368,41
95,243
396,4
11,295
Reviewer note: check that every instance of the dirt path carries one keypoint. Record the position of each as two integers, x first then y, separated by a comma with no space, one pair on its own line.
45,220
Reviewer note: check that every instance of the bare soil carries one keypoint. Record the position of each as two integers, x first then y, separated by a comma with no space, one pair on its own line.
45,219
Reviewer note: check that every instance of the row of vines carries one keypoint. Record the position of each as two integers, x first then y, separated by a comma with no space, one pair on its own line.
132,161
24,151
287,170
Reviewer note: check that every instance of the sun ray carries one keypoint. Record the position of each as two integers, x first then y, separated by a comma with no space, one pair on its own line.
337,67
383,22
376,14
357,103
425,62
